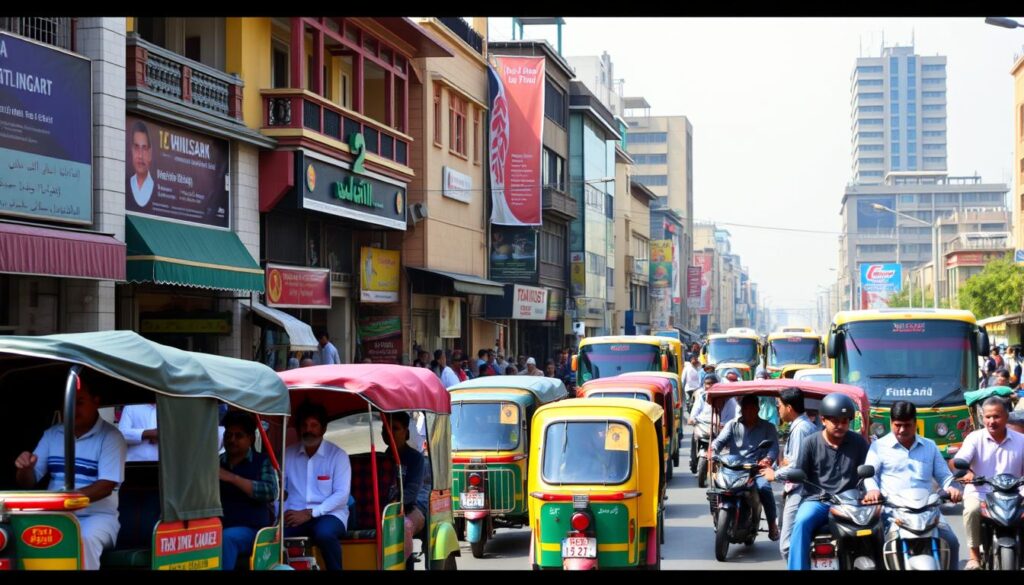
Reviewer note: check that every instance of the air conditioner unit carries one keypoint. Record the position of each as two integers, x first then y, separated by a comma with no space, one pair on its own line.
417,213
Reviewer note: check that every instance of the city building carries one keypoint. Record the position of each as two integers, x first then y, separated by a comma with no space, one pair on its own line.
632,250
1017,199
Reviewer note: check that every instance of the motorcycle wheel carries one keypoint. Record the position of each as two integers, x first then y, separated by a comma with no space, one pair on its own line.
693,458
702,473
1007,559
722,529
478,547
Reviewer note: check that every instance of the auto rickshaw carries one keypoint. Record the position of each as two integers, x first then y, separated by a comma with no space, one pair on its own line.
722,515
645,387
169,518
974,399
746,374
355,396
596,479
789,371
678,407
490,445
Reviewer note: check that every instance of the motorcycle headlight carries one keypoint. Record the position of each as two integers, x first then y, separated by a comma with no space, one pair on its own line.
919,522
877,429
941,429
861,515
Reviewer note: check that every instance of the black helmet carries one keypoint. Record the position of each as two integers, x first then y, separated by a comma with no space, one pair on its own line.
838,405
712,377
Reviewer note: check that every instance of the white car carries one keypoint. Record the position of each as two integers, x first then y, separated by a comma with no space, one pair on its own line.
814,375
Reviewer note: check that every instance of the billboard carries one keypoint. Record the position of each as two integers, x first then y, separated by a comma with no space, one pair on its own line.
45,132
380,275
869,218
513,254
176,174
661,264
705,260
298,288
516,91
381,338
877,283
693,286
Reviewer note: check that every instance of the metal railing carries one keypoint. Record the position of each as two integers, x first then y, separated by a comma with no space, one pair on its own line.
501,488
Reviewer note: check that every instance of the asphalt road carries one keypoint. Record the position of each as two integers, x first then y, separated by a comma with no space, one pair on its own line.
689,536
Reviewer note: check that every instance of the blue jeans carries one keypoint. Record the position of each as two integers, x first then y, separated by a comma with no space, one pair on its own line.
811,515
764,489
326,533
945,533
237,540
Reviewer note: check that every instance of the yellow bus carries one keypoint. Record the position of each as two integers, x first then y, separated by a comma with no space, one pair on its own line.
785,348
738,347
926,356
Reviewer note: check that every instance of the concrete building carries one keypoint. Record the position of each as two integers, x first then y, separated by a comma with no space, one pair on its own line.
598,74
632,253
898,114
870,235
1017,199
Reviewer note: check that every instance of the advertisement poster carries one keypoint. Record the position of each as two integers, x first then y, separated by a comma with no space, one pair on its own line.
298,288
661,264
577,273
677,290
513,254
705,260
693,286
45,132
529,303
381,270
516,91
877,283
381,338
451,317
173,173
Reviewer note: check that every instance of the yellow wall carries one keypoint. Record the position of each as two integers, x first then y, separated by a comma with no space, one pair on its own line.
248,55
129,24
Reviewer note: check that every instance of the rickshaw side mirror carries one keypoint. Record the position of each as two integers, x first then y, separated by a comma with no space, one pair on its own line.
834,338
865,471
664,362
982,342
575,362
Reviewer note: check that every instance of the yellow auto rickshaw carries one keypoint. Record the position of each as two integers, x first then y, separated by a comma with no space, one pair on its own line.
596,478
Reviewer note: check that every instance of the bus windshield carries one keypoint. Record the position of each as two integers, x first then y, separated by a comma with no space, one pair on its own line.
733,349
794,350
927,362
611,359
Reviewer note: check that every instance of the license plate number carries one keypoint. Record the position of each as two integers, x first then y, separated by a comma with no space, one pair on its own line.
579,548
472,500
825,564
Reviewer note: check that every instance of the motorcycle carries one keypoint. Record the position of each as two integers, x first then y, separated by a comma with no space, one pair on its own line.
1001,525
912,542
735,502
699,440
853,537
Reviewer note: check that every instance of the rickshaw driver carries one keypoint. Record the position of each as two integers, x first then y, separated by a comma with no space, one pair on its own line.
248,487
412,466
742,436
318,481
99,468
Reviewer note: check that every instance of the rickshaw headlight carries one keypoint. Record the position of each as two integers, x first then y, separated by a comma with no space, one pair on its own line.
580,521
877,429
941,429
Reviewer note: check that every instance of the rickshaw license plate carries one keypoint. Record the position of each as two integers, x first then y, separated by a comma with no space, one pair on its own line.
471,500
579,548
825,564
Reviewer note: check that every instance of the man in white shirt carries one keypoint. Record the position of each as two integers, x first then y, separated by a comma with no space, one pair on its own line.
327,354
448,377
531,369
138,425
691,377
141,183
318,480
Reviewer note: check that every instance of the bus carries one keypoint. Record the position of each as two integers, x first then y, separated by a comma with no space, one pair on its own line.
926,356
611,355
738,346
785,348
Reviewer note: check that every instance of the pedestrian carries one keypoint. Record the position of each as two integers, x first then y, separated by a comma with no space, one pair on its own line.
500,361
448,377
511,370
521,363
531,368
549,369
327,354
563,368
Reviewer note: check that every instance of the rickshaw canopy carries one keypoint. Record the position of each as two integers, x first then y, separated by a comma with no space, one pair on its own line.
975,396
388,387
125,359
543,389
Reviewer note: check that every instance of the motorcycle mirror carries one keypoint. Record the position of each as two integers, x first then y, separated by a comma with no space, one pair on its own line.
961,464
796,476
865,471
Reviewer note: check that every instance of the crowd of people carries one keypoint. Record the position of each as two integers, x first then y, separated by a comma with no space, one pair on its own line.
454,366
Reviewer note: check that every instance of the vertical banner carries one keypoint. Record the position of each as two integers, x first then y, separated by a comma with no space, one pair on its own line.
677,275
661,264
706,261
516,87
877,283
381,338
451,317
693,286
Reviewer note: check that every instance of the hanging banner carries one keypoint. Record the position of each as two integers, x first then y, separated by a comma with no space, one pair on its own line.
677,274
516,93
661,264
379,280
451,317
693,286
705,260
381,338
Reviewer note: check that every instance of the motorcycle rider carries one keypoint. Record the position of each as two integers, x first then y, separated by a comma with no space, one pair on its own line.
791,410
904,460
742,437
990,451
691,376
830,460
701,411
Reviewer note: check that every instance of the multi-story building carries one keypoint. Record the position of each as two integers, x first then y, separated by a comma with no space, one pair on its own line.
898,114
1017,199
870,234
705,255
632,247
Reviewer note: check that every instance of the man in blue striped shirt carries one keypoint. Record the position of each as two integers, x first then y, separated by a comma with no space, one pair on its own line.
903,460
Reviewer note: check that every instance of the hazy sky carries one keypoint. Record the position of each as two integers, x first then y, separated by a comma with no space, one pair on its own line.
769,100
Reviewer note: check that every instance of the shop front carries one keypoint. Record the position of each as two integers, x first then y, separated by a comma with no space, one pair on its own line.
536,318
446,312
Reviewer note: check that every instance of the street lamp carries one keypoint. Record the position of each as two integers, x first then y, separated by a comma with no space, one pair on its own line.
1002,22
935,247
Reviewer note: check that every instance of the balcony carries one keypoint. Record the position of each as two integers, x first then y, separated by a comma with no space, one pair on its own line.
299,109
465,32
559,202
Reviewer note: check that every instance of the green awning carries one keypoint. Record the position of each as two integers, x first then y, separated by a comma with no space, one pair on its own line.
175,253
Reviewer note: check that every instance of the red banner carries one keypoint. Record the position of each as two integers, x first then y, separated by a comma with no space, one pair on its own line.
517,121
705,260
298,288
693,286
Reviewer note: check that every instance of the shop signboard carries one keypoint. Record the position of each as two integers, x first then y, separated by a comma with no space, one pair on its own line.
457,186
693,274
381,270
381,338
516,91
293,287
529,303
556,304
348,190
705,260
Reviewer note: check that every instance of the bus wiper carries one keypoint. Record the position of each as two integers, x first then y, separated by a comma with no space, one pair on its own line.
854,342
945,396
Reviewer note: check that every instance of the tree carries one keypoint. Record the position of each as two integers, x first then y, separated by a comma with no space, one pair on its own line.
996,290
922,298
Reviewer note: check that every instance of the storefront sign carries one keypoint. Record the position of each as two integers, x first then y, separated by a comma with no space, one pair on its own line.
298,288
661,264
198,546
513,254
45,132
451,317
328,186
556,304
967,259
529,303
381,338
516,90
693,286
172,173
380,275
161,323
457,185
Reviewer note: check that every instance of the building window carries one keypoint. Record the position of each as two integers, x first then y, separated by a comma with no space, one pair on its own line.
650,159
647,137
877,174
652,180
869,134
870,95
872,148
457,124
279,64
934,133
934,147
934,160
932,108
894,121
896,163
553,243
933,68
50,30
911,123
912,108
894,65
870,82
554,103
554,170
871,122
437,115
933,81
911,65
933,94
894,94
870,161
934,120
871,109
869,69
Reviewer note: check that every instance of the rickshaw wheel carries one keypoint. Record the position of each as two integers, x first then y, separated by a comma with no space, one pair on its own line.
447,565
702,473
478,548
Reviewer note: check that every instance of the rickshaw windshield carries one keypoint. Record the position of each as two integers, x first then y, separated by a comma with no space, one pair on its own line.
635,395
587,452
485,426
612,359
733,349
794,350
